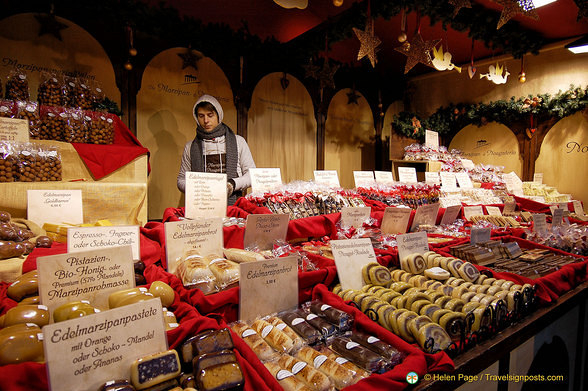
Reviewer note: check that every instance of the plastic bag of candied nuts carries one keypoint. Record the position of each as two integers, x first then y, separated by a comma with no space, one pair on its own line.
51,90
77,129
7,108
30,111
8,162
53,124
17,86
102,128
49,164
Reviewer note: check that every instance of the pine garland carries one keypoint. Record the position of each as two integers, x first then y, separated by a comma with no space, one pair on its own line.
451,119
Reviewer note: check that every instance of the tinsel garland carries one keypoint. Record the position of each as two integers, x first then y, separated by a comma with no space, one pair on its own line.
451,119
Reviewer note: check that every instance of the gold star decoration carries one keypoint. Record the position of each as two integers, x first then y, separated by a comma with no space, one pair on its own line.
513,8
368,41
352,97
417,51
327,74
459,4
311,70
50,25
190,59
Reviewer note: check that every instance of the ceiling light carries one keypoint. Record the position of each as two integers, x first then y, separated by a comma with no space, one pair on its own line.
541,3
579,45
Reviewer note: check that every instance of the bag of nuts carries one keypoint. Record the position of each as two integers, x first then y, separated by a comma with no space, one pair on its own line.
49,164
83,95
70,91
28,162
77,129
97,94
7,108
17,86
30,111
101,129
51,90
8,162
54,121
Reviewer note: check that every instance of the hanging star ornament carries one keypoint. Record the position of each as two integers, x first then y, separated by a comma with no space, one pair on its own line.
311,70
190,59
50,25
368,41
515,7
417,51
327,74
352,97
459,4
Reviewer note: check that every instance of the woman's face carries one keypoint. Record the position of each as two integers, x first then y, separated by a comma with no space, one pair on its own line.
207,119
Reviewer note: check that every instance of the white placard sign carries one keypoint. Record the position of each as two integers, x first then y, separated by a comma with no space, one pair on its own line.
469,211
407,175
425,215
480,235
265,179
412,243
557,218
364,178
578,207
563,205
431,139
327,177
509,207
264,230
204,235
13,129
384,177
538,177
539,223
88,275
513,183
432,177
267,287
448,181
354,216
464,180
350,258
90,238
468,164
55,206
206,195
84,353
395,220
493,211
451,213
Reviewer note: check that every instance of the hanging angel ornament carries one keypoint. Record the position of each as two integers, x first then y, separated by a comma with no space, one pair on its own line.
442,61
495,74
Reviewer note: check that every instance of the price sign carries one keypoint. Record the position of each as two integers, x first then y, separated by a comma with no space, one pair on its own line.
540,223
431,139
354,216
464,180
451,213
350,258
12,129
425,215
432,177
206,195
90,238
267,287
395,220
493,211
412,243
448,181
265,179
407,174
538,177
264,230
327,177
364,178
384,177
469,211
205,236
55,206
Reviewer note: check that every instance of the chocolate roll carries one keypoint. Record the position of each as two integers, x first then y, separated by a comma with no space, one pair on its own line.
301,326
339,318
360,355
326,329
374,344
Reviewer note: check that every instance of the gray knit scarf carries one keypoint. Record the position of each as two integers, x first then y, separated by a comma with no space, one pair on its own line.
232,154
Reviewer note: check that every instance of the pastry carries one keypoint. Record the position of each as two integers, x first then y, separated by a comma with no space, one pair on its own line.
261,348
402,324
339,318
283,327
273,336
225,272
301,326
239,255
360,355
307,373
468,272
340,376
436,273
211,341
379,275
286,378
413,263
432,338
358,372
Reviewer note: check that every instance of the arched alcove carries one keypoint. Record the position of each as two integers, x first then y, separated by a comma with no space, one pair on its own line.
350,133
76,54
165,122
493,144
281,127
562,158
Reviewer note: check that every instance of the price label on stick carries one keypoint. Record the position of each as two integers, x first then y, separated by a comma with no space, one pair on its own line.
407,174
395,220
327,177
416,242
206,195
364,178
350,258
451,213
493,211
425,215
384,177
540,223
265,179
354,216
263,230
480,235
469,211
432,177
55,206
267,287
557,218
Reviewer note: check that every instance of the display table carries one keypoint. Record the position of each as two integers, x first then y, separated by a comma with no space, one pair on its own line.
113,179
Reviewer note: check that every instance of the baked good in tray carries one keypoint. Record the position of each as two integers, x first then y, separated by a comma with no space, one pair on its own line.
192,268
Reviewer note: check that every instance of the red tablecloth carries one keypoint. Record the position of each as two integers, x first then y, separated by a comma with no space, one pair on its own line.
101,160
